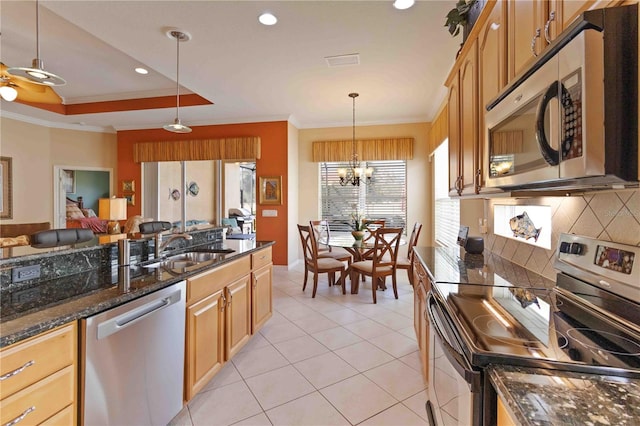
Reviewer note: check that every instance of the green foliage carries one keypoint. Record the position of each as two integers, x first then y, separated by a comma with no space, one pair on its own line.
457,17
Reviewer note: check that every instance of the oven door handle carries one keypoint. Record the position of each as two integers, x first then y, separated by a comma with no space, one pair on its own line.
456,358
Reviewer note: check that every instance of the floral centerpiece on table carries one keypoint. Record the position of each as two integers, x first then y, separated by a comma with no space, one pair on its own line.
357,221
358,225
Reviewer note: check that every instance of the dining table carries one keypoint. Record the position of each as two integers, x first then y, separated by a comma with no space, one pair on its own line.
359,249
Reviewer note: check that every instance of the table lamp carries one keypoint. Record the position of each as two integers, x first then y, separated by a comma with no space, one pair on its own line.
113,210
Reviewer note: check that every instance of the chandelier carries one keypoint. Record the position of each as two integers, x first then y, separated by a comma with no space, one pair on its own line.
355,173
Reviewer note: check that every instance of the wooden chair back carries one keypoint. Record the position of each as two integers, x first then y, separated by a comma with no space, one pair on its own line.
370,227
413,240
386,246
321,232
309,249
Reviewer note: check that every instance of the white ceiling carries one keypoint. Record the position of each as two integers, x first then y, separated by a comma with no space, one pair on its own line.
250,72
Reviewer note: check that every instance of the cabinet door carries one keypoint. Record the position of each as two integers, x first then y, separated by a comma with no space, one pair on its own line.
453,102
526,24
469,119
261,303
424,330
205,342
238,315
492,67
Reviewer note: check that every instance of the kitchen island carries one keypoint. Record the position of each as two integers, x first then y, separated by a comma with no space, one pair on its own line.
95,291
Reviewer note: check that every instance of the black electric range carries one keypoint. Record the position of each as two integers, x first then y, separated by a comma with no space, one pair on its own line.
485,311
589,322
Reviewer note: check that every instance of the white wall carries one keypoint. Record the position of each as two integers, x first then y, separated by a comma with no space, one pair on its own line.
293,191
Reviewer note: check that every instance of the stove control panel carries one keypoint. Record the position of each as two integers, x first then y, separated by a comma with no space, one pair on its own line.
606,264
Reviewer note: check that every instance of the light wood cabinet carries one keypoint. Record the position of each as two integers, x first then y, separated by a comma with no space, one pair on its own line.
420,321
39,378
205,342
492,73
526,39
503,416
464,160
261,294
217,322
225,306
237,315
534,24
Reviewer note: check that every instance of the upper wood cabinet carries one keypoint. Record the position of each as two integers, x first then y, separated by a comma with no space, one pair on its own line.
463,125
534,24
526,40
492,71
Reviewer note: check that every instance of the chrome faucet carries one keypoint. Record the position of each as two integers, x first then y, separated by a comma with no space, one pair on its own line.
161,245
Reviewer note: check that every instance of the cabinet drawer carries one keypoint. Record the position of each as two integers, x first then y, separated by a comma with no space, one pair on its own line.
48,397
64,417
261,258
209,282
40,356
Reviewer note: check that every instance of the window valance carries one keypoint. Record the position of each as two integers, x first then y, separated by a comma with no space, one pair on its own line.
242,148
367,150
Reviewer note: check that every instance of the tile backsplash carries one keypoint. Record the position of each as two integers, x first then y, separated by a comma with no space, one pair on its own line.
611,215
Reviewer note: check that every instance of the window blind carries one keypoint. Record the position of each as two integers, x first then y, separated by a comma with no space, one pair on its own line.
447,210
385,199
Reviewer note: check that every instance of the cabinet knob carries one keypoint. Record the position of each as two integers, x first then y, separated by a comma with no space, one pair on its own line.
552,17
533,42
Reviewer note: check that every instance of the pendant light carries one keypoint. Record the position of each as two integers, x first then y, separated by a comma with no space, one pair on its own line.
36,73
177,126
354,174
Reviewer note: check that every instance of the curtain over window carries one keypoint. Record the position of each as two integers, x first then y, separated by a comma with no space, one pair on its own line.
385,199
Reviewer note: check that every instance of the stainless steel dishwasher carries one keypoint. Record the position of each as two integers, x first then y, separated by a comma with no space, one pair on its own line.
133,373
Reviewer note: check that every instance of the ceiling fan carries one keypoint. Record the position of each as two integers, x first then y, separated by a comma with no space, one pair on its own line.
30,84
25,90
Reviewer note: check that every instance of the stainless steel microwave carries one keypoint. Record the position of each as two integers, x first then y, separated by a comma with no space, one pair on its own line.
571,120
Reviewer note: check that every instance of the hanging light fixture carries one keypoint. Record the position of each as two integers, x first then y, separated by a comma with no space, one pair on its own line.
36,72
355,173
7,91
177,126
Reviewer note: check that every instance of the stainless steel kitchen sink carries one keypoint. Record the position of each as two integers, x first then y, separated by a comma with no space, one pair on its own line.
185,260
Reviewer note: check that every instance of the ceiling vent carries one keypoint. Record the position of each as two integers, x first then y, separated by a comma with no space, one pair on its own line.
342,60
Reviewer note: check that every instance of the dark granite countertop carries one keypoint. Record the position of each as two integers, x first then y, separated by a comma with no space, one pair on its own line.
539,397
97,291
453,265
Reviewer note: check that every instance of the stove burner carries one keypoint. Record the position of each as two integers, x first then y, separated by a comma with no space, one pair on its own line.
490,327
579,334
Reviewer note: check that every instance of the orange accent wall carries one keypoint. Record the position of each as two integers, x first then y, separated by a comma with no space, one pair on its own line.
273,162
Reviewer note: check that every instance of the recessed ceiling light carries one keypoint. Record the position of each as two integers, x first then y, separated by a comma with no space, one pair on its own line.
267,19
403,4
141,70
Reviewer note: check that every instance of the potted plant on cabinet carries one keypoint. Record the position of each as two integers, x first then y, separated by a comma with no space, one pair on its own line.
463,15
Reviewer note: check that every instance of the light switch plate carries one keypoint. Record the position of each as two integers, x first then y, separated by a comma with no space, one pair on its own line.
269,213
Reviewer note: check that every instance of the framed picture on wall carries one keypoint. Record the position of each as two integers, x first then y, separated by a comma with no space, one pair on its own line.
6,201
69,181
271,190
128,186
131,199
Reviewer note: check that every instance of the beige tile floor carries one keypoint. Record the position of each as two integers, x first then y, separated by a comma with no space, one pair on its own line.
333,360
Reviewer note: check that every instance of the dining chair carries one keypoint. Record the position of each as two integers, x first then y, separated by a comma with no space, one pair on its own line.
407,262
318,265
321,231
370,226
383,263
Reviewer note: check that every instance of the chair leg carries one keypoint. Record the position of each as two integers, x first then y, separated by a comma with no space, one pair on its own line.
306,274
354,276
374,288
343,279
315,285
331,278
395,286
